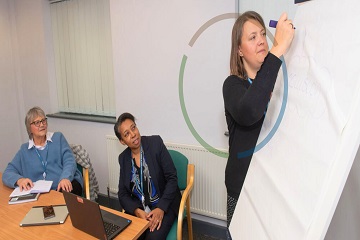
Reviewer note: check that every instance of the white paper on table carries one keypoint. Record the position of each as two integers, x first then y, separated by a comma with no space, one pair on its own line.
40,186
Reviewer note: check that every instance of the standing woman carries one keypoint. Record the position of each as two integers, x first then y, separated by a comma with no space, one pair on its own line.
247,91
148,186
46,155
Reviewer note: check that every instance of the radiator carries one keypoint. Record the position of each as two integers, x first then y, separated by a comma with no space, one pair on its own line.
114,148
209,194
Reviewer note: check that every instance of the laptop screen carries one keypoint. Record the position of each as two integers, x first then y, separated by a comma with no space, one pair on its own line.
86,216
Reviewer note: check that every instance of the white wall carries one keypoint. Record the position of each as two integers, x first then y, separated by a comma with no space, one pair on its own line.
10,121
24,69
33,64
149,41
147,57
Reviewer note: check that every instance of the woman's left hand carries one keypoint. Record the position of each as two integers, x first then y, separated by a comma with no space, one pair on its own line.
65,185
155,217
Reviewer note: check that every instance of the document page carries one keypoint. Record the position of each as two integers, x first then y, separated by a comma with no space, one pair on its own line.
40,186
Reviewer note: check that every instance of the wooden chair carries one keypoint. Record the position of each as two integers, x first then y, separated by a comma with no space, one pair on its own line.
185,174
84,171
85,174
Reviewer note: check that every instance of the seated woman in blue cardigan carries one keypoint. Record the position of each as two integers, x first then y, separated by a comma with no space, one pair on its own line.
47,156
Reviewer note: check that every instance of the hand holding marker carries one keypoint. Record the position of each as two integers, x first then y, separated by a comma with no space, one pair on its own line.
273,24
284,35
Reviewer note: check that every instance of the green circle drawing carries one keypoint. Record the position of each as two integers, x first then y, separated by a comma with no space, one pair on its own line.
186,116
181,81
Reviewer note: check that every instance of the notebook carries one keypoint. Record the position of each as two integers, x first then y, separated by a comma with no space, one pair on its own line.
35,216
87,216
40,186
24,198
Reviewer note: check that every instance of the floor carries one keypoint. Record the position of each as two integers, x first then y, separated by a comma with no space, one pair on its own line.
201,230
205,231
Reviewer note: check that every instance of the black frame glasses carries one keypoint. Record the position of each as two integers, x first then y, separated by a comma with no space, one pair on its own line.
37,123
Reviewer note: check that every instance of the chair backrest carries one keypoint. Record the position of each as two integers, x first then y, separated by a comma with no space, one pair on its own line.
80,154
181,163
184,170
85,175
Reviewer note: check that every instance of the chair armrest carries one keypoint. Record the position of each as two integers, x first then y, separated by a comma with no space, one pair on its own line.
86,182
185,199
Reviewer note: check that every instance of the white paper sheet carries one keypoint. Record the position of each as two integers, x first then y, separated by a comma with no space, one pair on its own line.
294,182
40,186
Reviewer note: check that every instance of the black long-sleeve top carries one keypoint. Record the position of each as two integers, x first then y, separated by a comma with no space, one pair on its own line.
245,105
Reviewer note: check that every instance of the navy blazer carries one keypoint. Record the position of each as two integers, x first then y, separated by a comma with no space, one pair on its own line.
162,172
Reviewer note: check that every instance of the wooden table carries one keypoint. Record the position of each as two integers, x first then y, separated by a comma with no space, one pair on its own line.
11,216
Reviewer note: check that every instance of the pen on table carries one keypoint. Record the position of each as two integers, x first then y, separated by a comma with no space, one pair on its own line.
273,24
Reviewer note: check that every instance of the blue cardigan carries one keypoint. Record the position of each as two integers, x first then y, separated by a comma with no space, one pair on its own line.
27,164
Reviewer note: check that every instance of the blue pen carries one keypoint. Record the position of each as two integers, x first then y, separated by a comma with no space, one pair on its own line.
273,24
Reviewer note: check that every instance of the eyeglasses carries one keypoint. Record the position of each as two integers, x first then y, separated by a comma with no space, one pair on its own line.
37,123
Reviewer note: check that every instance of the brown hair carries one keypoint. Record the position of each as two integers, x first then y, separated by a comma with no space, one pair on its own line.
236,63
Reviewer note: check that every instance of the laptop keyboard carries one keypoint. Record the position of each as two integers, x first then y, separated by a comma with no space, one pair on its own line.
110,228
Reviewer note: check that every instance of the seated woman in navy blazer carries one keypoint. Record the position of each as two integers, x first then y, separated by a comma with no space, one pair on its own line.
148,186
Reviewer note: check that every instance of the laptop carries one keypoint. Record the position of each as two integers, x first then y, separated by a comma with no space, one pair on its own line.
35,217
87,216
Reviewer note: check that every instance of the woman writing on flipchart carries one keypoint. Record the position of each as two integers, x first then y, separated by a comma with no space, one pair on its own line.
247,91
46,156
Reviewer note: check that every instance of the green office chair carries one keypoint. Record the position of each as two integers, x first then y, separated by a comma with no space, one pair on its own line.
185,174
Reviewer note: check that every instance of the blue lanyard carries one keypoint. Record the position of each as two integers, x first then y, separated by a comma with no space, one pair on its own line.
43,163
141,170
250,81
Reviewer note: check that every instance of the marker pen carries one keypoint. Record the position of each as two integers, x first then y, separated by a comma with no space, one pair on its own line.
273,24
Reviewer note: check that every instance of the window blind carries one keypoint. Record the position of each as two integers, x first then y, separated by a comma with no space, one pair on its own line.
83,56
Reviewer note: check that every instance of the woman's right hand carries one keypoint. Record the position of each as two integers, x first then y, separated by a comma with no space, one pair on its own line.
284,35
24,184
